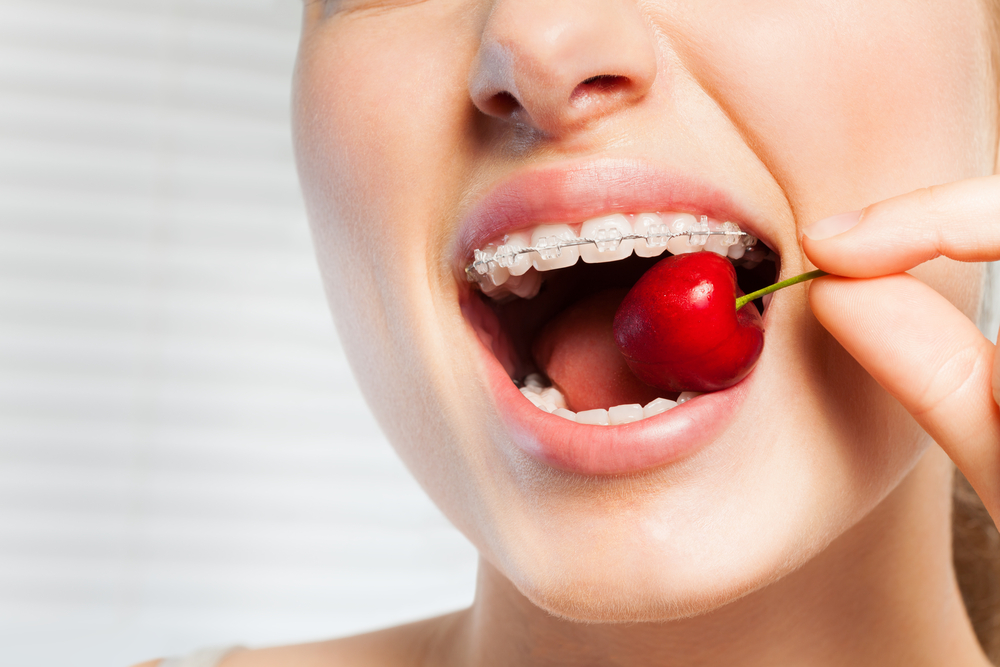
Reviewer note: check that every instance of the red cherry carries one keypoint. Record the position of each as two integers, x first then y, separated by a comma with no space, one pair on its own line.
679,329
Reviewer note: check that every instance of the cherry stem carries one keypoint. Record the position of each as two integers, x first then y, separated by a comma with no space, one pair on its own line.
801,278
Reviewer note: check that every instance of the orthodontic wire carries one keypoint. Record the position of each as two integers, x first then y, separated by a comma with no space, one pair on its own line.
481,265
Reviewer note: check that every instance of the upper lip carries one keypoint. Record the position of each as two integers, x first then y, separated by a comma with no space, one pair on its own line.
577,191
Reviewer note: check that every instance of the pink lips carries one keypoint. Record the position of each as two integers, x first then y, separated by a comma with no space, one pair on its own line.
609,450
573,193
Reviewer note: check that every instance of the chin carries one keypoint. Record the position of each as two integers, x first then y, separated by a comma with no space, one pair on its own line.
638,597
674,543
662,568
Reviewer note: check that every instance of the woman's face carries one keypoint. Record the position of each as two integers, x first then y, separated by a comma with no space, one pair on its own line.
427,129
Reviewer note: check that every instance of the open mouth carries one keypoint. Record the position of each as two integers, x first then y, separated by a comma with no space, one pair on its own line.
548,295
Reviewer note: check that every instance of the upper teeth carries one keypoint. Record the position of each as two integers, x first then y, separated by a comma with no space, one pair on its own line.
604,239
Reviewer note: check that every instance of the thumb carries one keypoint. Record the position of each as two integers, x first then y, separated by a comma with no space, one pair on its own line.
930,357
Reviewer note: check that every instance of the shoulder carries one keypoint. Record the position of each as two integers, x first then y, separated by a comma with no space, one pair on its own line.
411,645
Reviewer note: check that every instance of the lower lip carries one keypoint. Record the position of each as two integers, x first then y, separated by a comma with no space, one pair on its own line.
610,450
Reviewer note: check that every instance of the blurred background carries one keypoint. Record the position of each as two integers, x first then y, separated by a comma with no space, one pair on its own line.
185,459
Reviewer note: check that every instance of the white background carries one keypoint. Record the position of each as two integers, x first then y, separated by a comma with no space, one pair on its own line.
185,459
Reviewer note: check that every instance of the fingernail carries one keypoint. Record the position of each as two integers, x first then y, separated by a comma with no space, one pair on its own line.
828,227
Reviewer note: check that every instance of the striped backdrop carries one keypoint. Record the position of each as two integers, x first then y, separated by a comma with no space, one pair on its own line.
185,459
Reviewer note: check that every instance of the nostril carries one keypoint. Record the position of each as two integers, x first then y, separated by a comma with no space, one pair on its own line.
604,81
503,104
600,85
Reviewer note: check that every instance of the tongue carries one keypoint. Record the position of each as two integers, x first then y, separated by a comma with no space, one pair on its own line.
577,351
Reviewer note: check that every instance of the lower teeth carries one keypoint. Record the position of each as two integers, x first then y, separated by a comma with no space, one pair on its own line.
549,399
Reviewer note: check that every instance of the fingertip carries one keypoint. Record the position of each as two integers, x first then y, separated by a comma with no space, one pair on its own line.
822,294
841,246
834,225
821,286
835,253
821,257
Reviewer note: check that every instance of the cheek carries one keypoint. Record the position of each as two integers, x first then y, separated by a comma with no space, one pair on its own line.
360,129
376,102
381,111
848,103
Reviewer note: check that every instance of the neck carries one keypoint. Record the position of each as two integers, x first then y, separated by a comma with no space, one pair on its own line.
883,593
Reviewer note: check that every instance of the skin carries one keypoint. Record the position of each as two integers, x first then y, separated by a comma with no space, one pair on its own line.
815,530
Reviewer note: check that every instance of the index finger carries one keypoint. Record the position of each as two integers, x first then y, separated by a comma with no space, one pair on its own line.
959,220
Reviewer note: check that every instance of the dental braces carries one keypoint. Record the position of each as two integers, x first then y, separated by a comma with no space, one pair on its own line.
607,239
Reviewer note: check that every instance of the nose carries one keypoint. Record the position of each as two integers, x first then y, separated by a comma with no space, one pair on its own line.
558,65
